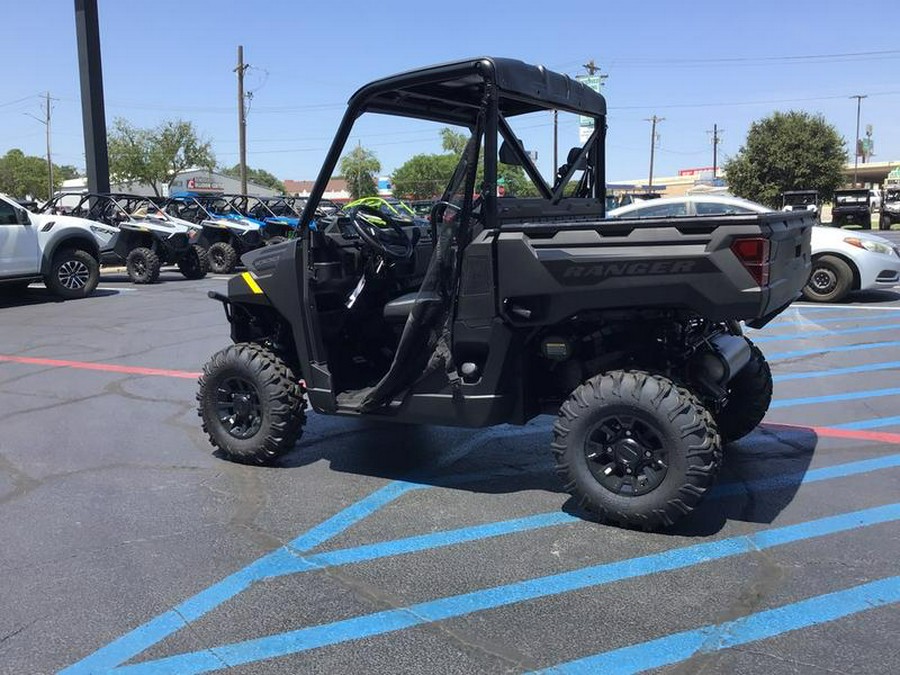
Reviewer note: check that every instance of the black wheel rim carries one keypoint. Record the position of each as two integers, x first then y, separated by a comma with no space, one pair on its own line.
238,407
823,280
626,455
140,265
73,275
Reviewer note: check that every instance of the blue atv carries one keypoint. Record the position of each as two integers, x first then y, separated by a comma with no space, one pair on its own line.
227,233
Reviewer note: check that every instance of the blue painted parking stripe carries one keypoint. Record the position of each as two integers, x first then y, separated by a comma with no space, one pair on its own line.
289,561
143,637
831,398
788,480
831,319
867,368
821,351
827,333
380,623
679,647
870,424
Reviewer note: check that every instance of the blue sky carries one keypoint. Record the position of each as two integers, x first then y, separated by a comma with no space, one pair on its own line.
695,64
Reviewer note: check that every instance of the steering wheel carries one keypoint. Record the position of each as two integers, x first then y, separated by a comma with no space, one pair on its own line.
391,242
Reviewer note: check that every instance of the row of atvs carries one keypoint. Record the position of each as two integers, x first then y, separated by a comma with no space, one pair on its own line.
198,233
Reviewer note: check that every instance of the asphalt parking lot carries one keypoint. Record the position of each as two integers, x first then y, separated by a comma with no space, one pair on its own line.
130,547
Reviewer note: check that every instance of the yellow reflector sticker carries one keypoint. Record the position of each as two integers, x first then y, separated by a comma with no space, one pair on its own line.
251,282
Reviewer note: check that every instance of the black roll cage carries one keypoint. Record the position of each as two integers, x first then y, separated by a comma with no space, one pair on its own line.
457,93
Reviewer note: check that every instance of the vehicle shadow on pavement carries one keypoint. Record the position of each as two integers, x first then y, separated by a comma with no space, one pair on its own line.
870,297
759,478
40,295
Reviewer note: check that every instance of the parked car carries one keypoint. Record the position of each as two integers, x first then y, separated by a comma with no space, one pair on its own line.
843,261
61,251
852,207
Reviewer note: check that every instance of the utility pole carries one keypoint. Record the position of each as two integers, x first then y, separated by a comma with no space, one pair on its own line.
716,139
242,118
859,98
653,122
555,142
48,107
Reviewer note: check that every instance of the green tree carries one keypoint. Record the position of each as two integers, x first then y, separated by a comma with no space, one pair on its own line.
23,175
359,168
154,156
453,141
258,176
787,151
423,176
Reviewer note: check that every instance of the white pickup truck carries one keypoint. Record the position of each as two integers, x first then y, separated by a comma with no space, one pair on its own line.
61,251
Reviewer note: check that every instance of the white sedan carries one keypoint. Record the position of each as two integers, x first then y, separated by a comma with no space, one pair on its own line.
843,260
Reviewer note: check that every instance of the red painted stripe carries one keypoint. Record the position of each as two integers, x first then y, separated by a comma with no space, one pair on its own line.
105,367
828,432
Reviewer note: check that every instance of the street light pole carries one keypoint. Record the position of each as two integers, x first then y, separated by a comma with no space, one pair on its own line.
859,98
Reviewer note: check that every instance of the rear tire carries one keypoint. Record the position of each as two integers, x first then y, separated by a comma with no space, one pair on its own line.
73,274
749,396
222,258
194,264
636,449
829,281
251,404
142,265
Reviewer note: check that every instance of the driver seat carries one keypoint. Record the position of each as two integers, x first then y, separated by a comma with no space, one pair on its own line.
398,309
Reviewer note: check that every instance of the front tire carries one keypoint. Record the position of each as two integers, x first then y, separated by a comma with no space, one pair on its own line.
749,396
829,281
194,264
635,449
251,404
73,274
143,265
222,258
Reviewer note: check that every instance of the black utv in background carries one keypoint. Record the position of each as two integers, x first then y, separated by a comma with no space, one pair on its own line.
852,207
504,308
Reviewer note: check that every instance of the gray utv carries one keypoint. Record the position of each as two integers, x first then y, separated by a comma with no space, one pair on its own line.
505,308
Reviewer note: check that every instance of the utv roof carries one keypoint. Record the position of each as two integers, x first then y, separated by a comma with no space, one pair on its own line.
453,92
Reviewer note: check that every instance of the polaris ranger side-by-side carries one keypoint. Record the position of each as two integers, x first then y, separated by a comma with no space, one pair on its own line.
504,308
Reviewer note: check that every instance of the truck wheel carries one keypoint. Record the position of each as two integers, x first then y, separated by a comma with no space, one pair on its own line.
829,280
142,265
194,264
749,396
73,274
636,449
251,405
222,257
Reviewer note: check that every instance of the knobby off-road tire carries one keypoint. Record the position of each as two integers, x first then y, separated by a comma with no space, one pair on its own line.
142,265
829,280
73,274
222,258
194,264
749,396
251,404
668,438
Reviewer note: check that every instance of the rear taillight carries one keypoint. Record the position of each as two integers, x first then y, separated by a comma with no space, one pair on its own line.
753,252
